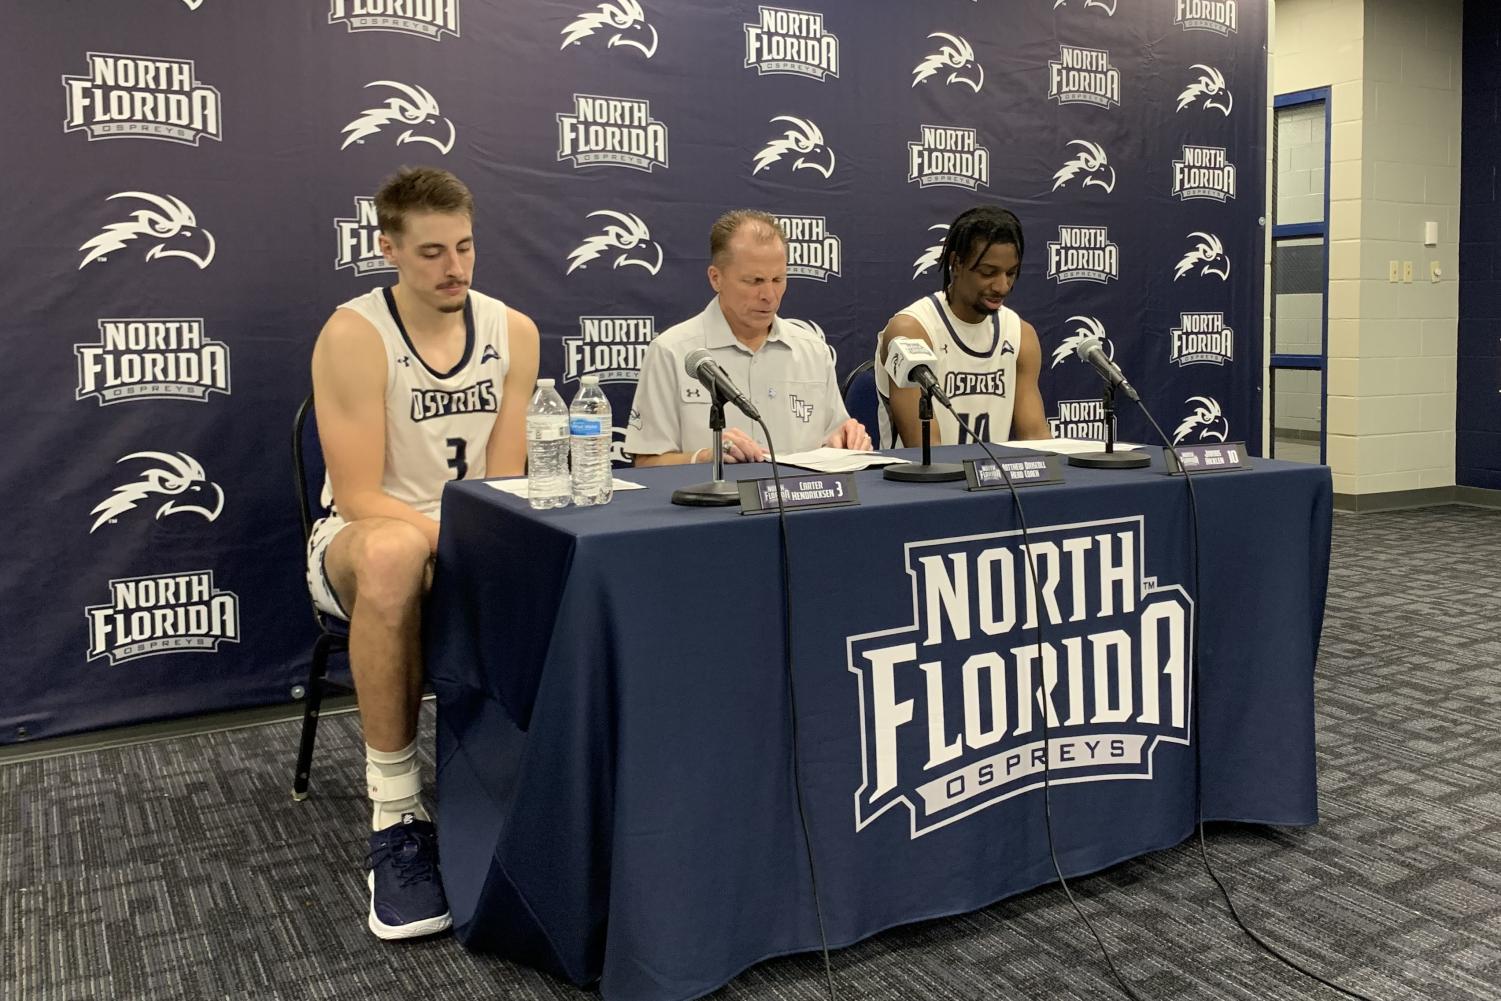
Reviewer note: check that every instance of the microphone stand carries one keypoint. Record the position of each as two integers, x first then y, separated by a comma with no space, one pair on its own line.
927,471
1110,458
717,492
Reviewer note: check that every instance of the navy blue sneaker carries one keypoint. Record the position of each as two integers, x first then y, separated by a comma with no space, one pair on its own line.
406,891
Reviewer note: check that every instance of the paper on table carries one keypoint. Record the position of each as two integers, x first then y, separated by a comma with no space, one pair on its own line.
516,486
1070,446
837,460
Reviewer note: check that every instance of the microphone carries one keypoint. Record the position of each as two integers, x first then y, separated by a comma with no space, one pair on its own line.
1091,350
706,370
908,363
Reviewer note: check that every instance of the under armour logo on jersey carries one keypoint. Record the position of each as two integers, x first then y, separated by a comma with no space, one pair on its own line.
802,410
405,361
489,354
179,478
694,393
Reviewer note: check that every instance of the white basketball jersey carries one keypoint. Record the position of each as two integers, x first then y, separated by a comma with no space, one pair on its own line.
438,424
976,370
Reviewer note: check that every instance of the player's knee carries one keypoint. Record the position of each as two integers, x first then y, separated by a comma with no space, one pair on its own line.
392,562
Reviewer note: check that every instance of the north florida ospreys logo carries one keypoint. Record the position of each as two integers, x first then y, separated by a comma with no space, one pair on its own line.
1218,16
410,106
952,705
792,42
1205,422
611,132
1206,258
957,57
624,16
610,347
949,156
622,231
812,251
1083,76
802,138
151,359
1202,339
1090,166
1079,419
1208,91
1108,6
1088,328
165,226
932,255
359,240
162,613
176,481
193,4
1083,254
423,18
142,97
1204,172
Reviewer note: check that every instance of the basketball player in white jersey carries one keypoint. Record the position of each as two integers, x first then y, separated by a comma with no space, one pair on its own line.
415,385
988,357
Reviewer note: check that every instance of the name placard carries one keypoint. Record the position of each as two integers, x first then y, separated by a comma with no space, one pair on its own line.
798,492
1207,458
1024,471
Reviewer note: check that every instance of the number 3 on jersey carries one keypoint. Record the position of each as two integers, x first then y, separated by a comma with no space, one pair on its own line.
980,423
456,461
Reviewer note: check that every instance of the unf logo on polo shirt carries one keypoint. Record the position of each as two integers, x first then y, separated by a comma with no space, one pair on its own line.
1204,172
948,155
812,251
1083,254
162,613
1084,76
792,42
1079,419
142,97
144,358
610,347
1202,339
424,18
613,132
951,706
359,240
1218,16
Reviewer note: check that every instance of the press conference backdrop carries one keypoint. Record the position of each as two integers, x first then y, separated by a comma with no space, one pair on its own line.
187,189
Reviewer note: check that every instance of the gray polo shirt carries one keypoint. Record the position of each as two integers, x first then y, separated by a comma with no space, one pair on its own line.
790,380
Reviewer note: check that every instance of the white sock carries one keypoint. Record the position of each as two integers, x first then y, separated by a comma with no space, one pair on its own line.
393,780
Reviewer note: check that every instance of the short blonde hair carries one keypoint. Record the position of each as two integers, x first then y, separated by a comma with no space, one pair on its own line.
419,189
764,228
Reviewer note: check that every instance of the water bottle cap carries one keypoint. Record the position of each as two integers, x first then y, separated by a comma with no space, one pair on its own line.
544,383
589,380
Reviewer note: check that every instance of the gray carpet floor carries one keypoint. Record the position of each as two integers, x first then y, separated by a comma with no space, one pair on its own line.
180,869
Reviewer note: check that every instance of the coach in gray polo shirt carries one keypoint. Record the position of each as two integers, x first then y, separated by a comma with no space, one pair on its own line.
784,369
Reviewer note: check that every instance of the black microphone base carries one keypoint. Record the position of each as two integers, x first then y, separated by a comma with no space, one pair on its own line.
928,472
715,493
1110,460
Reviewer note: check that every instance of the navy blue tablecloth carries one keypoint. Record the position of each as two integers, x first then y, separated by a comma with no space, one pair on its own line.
616,797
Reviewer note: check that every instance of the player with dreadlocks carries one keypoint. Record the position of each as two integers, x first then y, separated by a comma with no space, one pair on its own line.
988,357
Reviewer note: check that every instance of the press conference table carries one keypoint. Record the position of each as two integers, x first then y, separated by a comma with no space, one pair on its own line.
615,780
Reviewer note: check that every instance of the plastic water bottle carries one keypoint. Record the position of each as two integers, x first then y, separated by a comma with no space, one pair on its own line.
589,432
546,448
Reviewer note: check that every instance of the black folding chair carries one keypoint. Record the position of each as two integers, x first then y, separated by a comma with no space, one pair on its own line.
333,632
862,400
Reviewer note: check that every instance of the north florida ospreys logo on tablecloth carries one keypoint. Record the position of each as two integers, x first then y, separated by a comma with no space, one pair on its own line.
948,155
423,18
611,132
162,613
951,706
1084,76
610,347
812,251
142,97
793,42
151,359
359,240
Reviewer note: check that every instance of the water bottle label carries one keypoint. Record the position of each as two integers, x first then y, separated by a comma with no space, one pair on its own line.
584,426
546,428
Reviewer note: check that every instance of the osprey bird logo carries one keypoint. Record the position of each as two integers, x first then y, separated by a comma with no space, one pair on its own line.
1091,163
178,477
1108,6
627,233
412,106
928,259
169,219
803,138
193,4
1208,255
1206,417
1211,87
1089,328
624,16
958,54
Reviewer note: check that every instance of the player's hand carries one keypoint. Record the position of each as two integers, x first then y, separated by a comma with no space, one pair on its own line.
739,447
851,434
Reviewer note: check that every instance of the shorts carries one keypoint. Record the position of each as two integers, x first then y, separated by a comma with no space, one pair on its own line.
324,598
